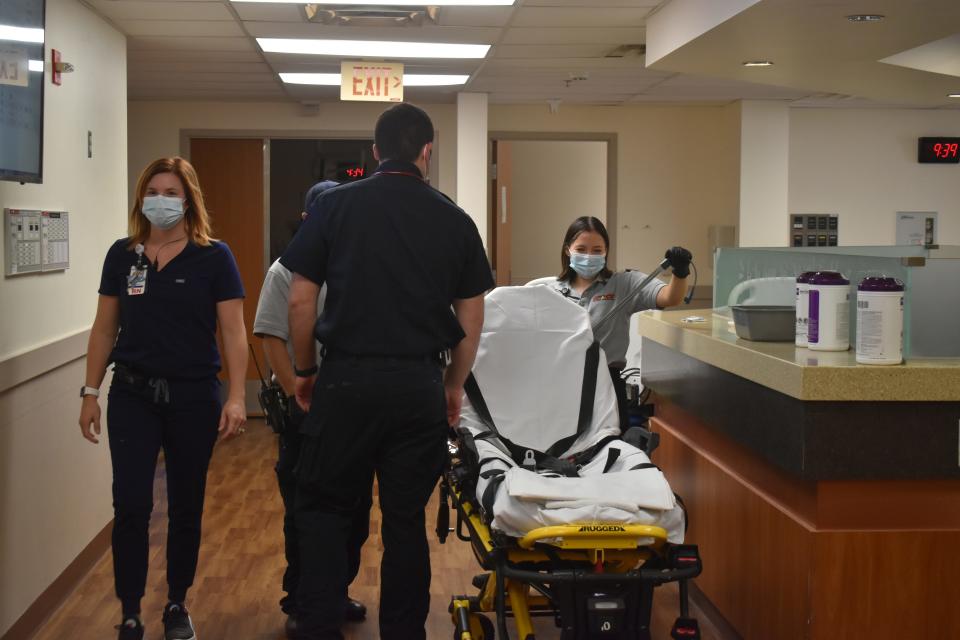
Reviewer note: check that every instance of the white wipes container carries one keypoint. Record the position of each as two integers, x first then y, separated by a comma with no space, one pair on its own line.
803,307
828,328
880,321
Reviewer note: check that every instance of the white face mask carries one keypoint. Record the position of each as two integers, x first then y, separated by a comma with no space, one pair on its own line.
163,212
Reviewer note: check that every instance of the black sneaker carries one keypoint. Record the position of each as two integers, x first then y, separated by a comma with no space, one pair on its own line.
130,629
177,624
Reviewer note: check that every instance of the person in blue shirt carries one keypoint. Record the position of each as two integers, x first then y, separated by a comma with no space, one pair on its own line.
164,290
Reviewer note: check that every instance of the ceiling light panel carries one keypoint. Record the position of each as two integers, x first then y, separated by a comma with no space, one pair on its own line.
373,48
400,3
20,34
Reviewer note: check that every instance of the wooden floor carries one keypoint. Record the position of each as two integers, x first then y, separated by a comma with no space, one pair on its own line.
241,563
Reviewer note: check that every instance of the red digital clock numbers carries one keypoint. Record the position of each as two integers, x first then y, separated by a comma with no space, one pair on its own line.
939,150
357,172
945,149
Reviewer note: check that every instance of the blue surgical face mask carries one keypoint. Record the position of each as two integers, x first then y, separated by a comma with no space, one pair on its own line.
587,265
163,212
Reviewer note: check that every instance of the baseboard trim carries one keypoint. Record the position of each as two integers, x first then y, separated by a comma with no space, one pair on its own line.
50,600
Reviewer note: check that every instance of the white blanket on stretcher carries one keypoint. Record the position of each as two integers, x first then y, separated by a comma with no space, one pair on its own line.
530,368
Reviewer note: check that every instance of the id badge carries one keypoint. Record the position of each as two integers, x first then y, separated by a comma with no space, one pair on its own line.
137,281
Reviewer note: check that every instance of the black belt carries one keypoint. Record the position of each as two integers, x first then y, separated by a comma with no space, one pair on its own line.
440,358
132,377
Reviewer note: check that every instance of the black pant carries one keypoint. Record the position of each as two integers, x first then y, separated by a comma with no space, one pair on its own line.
139,426
290,444
620,388
369,416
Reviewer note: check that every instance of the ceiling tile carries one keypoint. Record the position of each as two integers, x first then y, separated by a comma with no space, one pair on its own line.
139,56
119,11
575,35
580,16
218,45
596,5
180,28
550,51
466,35
269,12
475,16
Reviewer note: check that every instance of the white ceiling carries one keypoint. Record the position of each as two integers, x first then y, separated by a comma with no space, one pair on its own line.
541,50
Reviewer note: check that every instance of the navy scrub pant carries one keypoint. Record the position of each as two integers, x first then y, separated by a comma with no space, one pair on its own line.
369,416
139,424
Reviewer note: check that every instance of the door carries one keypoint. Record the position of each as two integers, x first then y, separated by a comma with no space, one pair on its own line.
231,177
501,224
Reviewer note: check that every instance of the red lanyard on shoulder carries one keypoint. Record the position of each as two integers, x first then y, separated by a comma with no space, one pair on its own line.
399,173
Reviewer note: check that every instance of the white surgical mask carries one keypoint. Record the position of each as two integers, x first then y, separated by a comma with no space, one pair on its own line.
163,212
587,265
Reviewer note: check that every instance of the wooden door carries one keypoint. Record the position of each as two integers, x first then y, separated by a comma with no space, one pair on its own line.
231,176
501,225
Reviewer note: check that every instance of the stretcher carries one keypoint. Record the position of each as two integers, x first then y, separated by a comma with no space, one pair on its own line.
566,517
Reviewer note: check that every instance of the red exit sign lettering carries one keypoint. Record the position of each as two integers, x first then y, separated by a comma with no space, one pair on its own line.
371,82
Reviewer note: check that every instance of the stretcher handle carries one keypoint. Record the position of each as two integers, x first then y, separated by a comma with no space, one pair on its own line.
598,530
629,299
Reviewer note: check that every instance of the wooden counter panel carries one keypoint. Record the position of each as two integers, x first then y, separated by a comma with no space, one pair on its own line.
813,561
886,585
756,557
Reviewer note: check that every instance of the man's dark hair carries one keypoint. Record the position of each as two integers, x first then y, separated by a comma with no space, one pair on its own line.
401,132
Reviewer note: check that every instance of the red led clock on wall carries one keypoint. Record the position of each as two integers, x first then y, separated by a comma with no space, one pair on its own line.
938,150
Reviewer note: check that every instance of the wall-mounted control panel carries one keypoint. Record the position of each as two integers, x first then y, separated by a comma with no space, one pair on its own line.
36,241
814,229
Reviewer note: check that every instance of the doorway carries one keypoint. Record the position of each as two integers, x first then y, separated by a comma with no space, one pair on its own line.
540,184
298,164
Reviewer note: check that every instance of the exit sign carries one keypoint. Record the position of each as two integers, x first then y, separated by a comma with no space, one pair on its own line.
371,81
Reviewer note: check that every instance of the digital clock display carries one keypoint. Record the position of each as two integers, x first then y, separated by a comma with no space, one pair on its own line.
938,150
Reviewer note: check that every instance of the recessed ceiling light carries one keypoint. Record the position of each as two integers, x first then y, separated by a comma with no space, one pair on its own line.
21,34
373,48
409,79
758,63
865,17
402,3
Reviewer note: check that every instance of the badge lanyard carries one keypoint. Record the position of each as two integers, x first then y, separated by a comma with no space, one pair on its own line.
399,173
137,278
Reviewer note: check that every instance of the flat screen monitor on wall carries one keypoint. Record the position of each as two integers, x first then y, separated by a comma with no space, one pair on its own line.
21,90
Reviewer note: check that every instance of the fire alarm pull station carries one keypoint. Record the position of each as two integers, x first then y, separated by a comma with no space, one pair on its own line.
814,229
36,241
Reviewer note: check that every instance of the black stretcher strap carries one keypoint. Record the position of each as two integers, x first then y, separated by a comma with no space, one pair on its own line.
587,400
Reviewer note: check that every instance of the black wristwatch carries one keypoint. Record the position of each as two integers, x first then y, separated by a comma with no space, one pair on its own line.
305,373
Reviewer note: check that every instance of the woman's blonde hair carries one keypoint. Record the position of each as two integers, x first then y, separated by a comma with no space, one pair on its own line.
195,218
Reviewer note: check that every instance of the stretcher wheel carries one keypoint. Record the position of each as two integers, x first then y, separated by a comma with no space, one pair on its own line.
481,628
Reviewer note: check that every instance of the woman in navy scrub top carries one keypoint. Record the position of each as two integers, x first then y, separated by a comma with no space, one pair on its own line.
164,290
585,279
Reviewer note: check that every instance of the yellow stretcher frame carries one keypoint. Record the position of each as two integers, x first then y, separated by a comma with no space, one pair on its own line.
616,548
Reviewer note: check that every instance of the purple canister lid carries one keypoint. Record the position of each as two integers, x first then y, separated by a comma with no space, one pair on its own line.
804,277
828,278
880,283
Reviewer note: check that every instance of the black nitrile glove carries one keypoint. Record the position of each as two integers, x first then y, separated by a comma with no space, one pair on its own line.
680,261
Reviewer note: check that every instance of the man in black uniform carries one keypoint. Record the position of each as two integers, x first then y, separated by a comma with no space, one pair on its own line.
395,255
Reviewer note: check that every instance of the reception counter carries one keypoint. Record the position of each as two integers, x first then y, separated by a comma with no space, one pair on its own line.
824,495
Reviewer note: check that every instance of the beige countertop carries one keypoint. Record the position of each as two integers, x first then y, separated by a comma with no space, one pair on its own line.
797,372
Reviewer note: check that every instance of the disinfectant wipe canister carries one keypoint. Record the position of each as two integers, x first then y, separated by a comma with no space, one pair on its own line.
803,306
880,321
828,327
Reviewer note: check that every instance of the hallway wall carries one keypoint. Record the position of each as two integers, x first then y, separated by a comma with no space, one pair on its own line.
54,486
